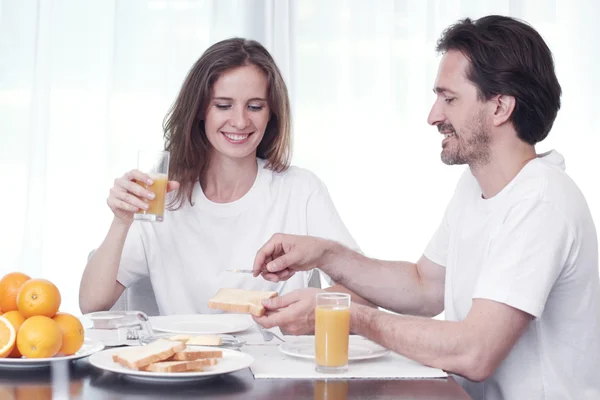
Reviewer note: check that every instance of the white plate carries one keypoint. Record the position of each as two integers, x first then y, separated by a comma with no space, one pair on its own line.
227,341
232,361
89,347
201,323
359,348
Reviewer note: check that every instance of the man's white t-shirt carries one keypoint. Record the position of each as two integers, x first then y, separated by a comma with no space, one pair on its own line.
534,247
187,255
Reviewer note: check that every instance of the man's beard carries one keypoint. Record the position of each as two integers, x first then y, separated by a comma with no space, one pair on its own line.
474,151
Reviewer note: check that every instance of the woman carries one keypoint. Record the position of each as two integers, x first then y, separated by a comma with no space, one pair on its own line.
229,137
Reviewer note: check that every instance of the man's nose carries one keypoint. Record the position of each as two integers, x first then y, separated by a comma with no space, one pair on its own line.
436,116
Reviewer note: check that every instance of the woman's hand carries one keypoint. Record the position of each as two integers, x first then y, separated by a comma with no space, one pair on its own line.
127,196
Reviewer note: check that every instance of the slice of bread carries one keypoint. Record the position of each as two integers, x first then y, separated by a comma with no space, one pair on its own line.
240,301
205,340
189,355
181,338
138,357
179,366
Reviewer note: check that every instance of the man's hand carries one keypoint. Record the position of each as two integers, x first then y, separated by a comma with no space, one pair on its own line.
294,312
284,254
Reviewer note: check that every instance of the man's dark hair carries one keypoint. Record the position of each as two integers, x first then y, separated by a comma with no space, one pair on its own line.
509,57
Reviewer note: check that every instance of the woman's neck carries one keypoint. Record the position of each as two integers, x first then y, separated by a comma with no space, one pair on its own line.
227,180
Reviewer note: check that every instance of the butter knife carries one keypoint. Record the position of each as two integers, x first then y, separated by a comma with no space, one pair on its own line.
240,271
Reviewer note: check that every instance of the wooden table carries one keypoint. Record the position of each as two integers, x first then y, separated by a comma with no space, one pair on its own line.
86,382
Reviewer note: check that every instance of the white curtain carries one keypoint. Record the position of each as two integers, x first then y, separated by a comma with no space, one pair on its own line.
85,84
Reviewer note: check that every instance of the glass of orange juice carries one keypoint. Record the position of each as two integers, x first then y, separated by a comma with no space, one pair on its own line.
332,332
156,165
331,390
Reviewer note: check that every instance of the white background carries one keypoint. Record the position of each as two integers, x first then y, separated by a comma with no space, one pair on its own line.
84,84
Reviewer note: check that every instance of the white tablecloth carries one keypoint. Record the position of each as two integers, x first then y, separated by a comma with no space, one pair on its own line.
272,363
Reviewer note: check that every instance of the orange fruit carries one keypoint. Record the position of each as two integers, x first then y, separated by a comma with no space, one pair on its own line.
38,297
9,289
39,337
72,333
34,392
7,392
16,320
75,389
7,337
28,391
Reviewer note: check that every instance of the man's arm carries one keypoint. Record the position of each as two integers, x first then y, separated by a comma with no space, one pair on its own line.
404,287
473,347
294,312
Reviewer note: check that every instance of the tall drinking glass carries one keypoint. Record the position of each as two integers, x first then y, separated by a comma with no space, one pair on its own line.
332,332
156,165
336,389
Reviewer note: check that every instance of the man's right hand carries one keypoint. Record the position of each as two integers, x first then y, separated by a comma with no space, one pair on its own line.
284,254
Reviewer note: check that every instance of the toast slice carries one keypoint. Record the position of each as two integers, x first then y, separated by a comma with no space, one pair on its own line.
205,340
240,301
190,355
179,366
180,338
139,357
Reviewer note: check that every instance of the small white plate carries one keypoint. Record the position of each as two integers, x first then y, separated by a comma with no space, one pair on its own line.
89,347
359,348
201,323
232,361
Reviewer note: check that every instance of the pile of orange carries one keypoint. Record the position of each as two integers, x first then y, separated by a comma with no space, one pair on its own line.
30,324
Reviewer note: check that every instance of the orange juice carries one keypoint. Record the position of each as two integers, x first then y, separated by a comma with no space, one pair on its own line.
332,330
331,390
159,188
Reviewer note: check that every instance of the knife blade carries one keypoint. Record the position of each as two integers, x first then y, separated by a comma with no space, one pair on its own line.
240,271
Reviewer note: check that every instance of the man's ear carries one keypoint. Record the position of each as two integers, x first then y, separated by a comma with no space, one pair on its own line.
504,107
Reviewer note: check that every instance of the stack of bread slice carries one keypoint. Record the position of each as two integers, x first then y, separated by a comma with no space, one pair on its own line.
165,355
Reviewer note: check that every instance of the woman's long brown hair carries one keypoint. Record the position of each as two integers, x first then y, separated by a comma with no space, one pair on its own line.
183,126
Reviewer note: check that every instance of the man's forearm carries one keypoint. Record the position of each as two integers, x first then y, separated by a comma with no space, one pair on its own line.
394,285
439,344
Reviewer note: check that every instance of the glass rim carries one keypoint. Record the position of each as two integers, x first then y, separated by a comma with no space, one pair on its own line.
333,296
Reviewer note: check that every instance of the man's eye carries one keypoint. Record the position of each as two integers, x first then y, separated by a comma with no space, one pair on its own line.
449,100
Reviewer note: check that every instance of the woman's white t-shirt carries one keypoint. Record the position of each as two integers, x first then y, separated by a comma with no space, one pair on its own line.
187,255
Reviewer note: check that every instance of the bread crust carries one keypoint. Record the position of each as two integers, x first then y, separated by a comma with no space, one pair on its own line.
129,358
188,355
180,366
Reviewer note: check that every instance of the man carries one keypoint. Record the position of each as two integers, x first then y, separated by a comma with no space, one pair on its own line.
514,263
